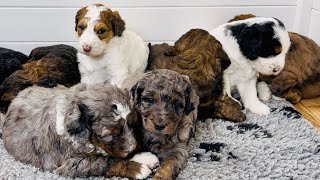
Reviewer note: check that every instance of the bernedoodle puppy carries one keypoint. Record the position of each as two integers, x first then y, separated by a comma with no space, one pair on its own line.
167,109
255,45
108,51
47,67
300,77
200,56
79,131
10,61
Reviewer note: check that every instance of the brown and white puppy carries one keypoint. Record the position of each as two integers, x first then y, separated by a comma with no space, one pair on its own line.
300,77
108,51
167,106
79,131
200,56
47,67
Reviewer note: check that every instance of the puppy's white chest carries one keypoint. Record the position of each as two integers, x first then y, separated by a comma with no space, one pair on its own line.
239,74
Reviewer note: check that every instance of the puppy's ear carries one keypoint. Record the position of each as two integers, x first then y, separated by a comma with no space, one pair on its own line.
80,14
249,39
189,106
118,25
73,122
136,92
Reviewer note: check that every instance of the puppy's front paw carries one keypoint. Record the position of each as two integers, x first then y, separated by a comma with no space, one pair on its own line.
259,108
144,172
264,92
146,158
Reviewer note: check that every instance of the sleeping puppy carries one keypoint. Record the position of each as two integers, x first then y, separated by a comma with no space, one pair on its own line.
167,109
79,131
108,51
300,77
255,45
10,61
47,67
200,56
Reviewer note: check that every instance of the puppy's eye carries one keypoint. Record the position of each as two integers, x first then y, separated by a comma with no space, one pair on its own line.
114,109
101,31
81,27
177,106
150,101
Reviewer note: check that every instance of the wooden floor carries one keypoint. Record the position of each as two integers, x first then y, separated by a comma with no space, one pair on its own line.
310,109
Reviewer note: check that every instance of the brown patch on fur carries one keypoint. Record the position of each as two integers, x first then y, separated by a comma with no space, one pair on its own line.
200,56
98,5
114,21
104,31
165,171
80,15
242,17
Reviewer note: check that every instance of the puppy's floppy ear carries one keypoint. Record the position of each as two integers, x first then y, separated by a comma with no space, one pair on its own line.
73,121
136,92
189,92
249,39
80,14
118,25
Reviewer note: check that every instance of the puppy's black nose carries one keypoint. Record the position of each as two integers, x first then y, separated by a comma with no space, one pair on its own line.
159,126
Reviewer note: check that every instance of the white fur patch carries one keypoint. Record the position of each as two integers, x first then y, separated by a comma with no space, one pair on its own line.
60,116
122,111
148,161
146,158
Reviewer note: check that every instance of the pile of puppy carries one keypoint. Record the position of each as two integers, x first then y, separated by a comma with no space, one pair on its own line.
118,107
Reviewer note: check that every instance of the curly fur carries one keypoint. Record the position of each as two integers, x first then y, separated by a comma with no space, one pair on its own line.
200,56
47,67
167,106
10,61
72,132
300,77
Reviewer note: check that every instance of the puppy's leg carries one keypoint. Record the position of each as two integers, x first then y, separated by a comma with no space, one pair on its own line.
248,94
227,108
103,166
227,87
264,92
173,162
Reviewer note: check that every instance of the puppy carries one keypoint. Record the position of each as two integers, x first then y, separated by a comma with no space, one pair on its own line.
299,78
47,67
75,132
200,56
108,52
10,61
255,45
167,109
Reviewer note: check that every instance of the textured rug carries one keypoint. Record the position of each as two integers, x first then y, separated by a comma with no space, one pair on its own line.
280,146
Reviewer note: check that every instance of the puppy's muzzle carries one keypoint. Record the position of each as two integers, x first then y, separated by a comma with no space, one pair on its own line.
159,126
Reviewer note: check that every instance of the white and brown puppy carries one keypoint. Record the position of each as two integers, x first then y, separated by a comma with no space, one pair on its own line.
108,52
255,45
81,131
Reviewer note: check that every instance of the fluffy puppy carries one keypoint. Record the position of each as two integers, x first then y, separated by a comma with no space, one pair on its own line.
10,61
200,56
75,131
167,109
108,52
47,67
300,77
255,45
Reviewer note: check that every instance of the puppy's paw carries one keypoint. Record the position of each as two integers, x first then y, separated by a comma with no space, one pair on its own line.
264,92
146,158
259,108
145,171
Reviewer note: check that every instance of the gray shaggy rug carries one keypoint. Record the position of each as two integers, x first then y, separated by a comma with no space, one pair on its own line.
280,146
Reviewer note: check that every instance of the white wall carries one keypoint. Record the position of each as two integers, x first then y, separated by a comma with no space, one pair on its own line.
314,28
30,23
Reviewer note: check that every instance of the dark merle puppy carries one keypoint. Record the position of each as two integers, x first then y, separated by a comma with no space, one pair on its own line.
10,61
47,67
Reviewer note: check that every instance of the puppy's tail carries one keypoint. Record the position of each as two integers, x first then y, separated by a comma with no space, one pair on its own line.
2,119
